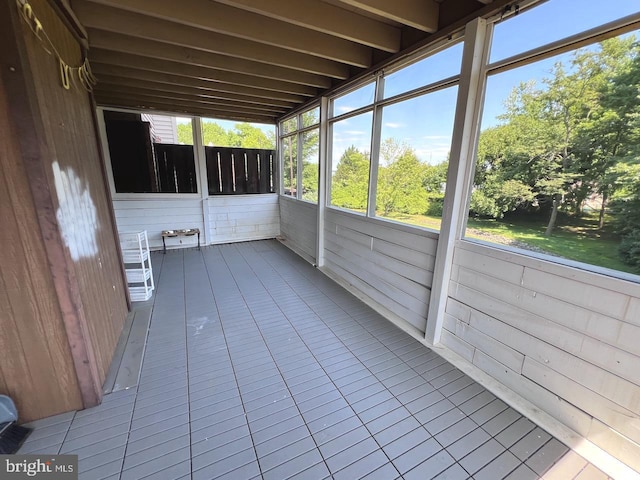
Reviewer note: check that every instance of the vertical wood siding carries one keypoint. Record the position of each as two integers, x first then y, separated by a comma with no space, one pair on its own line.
299,226
390,263
36,368
78,183
565,339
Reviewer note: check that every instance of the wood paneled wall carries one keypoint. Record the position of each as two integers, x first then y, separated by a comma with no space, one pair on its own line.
62,291
71,136
36,368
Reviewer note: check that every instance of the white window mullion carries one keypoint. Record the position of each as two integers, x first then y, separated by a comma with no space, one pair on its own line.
460,172
324,177
375,148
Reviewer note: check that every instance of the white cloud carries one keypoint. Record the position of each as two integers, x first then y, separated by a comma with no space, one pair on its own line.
394,125
437,137
345,108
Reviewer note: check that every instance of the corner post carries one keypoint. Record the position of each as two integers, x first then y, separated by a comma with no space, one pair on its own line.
201,172
324,174
461,168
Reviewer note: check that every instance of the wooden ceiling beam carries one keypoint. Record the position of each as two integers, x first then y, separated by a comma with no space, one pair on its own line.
215,17
326,18
164,96
111,82
178,105
172,108
420,14
166,66
119,21
138,75
164,51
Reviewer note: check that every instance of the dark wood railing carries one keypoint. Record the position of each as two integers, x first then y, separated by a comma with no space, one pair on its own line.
239,170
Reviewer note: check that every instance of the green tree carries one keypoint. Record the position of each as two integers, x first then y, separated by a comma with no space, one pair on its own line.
185,135
214,134
605,136
350,182
401,178
246,135
504,178
310,167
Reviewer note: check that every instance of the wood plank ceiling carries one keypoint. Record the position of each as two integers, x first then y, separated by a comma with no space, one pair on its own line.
249,60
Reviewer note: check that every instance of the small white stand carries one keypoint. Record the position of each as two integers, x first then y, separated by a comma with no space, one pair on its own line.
137,264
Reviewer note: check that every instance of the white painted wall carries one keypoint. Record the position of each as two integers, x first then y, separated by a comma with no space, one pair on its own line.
155,214
565,339
391,264
230,218
238,218
299,226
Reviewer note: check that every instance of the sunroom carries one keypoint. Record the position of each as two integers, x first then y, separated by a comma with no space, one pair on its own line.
388,241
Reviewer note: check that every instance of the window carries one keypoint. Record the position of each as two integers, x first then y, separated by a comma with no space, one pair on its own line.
354,100
557,169
299,155
310,165
551,21
351,143
441,65
413,117
290,165
151,153
413,161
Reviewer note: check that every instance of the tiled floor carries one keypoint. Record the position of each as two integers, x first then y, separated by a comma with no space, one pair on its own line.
258,366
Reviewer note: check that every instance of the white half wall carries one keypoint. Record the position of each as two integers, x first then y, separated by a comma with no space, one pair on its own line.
565,339
221,219
240,218
156,214
390,264
299,227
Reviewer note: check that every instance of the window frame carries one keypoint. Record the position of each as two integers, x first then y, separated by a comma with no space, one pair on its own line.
298,132
109,167
568,44
376,108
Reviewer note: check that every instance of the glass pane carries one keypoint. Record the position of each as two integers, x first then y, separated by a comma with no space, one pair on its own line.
290,125
554,20
310,165
172,130
350,148
311,117
289,165
147,155
436,67
414,158
557,169
361,97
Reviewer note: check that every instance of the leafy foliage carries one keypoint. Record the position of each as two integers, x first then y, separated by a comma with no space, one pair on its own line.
350,181
242,135
569,140
405,184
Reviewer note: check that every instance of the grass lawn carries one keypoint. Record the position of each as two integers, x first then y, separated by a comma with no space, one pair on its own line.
574,239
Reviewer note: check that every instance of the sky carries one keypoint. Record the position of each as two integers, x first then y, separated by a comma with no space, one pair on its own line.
426,123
